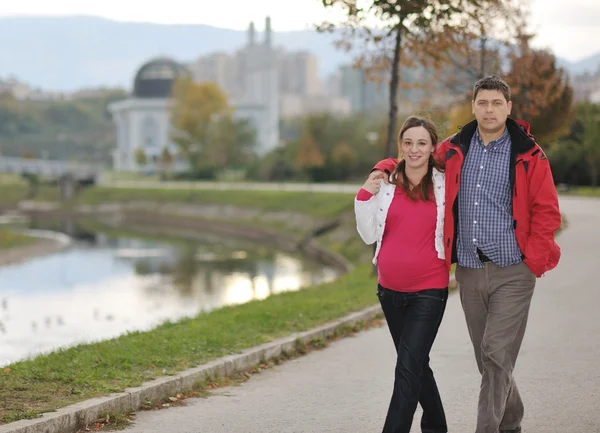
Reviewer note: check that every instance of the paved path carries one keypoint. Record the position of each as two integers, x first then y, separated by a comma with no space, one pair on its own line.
345,388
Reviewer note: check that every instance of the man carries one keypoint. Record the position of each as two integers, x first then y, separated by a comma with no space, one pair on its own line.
501,216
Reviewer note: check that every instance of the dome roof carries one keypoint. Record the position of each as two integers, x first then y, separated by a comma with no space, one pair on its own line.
155,78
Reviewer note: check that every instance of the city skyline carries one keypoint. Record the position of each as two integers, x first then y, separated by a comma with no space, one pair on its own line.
565,27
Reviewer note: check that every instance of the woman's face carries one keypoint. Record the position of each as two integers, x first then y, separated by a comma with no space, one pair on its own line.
416,147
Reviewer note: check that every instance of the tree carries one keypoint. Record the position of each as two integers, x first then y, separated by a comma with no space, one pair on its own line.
459,115
588,116
343,155
196,111
343,159
475,46
541,92
206,130
406,25
165,160
309,156
236,140
140,157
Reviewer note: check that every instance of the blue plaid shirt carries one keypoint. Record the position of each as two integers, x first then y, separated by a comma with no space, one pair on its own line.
485,215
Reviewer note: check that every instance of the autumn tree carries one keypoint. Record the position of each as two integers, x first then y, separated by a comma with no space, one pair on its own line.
541,92
405,26
205,128
476,45
195,113
309,156
344,158
343,155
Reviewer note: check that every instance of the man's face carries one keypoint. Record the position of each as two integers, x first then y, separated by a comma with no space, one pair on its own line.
491,110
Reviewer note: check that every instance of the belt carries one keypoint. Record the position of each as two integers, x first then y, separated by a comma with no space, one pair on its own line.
482,257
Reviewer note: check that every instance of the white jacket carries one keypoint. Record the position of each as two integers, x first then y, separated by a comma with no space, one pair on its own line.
371,214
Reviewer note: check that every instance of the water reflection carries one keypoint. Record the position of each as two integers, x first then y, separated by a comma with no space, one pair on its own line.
106,285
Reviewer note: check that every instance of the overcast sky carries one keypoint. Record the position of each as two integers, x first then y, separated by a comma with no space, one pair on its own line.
571,28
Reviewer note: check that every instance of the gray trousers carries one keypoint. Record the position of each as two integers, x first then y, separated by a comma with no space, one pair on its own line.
496,304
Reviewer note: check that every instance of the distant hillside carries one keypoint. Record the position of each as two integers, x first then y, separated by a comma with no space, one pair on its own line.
73,52
590,65
64,54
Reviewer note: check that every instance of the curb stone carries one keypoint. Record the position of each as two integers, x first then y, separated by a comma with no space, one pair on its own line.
68,419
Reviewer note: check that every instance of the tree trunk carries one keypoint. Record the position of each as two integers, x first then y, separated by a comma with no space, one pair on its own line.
482,56
593,174
394,87
393,113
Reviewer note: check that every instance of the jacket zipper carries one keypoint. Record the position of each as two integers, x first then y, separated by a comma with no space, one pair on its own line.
515,185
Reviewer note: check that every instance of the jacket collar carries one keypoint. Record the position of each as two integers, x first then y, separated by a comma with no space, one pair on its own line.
521,139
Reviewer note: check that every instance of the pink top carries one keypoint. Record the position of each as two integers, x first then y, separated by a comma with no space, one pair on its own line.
407,260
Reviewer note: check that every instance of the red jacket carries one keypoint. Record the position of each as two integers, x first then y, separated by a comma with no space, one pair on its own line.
535,203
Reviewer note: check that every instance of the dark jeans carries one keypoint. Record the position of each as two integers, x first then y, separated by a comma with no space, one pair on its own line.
414,320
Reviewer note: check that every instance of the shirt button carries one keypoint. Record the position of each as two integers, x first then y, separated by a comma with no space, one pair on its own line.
476,203
474,222
478,186
474,240
481,167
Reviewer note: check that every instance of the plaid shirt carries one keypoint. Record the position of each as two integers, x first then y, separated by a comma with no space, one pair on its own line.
485,218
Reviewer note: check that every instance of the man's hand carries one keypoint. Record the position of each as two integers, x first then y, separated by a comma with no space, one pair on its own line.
384,176
373,183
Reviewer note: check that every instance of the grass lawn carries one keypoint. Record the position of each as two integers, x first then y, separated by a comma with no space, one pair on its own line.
11,239
307,203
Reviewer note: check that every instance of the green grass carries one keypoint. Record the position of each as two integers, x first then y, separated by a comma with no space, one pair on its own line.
308,203
11,178
11,239
48,382
12,193
111,176
585,191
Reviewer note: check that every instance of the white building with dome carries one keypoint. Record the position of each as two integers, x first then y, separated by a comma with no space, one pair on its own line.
142,120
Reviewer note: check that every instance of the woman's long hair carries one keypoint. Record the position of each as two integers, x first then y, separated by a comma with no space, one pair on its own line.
422,191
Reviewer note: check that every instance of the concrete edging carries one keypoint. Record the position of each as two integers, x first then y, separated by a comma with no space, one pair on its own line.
68,419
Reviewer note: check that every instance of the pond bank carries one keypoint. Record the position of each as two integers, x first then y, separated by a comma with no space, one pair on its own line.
293,234
43,244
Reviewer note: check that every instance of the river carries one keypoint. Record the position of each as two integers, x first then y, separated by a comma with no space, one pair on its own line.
106,284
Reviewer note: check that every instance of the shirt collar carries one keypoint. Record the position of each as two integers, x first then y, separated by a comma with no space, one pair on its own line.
501,144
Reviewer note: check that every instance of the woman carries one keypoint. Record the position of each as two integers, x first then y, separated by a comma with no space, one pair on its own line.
406,219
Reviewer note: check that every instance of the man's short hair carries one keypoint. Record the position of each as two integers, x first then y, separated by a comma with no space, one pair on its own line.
492,82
